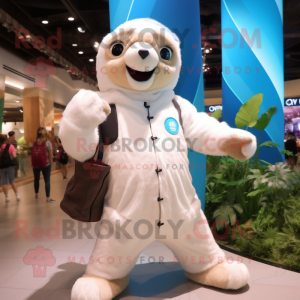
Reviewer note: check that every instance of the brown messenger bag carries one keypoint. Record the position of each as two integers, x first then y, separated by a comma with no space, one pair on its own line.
85,192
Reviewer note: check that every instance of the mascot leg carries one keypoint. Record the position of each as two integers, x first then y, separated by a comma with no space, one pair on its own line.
224,276
109,265
91,287
202,258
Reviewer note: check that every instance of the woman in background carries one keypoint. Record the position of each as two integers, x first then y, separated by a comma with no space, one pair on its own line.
9,171
42,139
62,158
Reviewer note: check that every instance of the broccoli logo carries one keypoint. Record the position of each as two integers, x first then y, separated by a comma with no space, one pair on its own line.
39,258
40,68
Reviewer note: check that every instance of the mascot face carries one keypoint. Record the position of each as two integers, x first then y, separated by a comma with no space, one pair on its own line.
140,59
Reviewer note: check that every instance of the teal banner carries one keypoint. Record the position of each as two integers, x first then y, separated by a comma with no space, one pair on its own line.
252,59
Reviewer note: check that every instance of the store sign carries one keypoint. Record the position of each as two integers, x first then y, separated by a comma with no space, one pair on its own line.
213,108
291,101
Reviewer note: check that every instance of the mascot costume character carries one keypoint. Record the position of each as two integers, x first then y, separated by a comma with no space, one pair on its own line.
150,191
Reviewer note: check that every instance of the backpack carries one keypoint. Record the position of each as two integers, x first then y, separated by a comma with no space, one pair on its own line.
84,196
38,155
64,158
5,158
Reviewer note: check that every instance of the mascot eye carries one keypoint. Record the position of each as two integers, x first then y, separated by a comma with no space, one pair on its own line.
117,49
166,53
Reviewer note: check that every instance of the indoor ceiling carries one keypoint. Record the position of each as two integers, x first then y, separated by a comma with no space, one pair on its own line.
93,17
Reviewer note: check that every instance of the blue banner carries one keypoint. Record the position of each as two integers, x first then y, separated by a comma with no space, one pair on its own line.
252,62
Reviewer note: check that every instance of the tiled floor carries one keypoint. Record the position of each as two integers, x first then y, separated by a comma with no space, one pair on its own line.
147,281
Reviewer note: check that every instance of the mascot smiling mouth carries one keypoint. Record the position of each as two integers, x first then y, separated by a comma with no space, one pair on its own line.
138,75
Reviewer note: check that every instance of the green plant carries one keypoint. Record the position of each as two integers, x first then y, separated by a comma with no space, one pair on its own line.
264,198
238,180
217,114
248,113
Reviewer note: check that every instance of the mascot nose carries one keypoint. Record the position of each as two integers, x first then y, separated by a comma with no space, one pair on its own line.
143,53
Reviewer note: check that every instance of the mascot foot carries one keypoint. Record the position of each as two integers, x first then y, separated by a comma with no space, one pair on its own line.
225,276
90,287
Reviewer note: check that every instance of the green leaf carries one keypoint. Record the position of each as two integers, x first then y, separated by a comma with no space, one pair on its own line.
287,152
268,144
217,114
279,176
265,118
248,113
265,162
256,192
231,182
238,208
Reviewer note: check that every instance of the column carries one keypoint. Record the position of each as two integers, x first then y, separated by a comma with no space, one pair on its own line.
38,111
252,58
184,19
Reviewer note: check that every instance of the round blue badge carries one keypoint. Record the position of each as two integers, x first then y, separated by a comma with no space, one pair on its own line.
172,125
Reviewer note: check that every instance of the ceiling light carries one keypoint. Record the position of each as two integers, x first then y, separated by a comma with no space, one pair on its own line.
81,29
14,85
80,52
45,21
91,59
17,101
206,51
74,45
71,19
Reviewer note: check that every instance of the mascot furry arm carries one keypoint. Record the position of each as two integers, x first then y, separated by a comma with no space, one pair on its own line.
79,128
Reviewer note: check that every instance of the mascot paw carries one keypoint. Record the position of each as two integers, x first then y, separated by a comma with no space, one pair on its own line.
241,145
225,276
91,287
87,109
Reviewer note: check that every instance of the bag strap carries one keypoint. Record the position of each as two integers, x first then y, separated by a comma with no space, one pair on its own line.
108,131
175,103
6,149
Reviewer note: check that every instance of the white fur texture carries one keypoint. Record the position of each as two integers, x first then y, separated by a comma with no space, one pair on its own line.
250,149
85,289
208,133
238,275
79,124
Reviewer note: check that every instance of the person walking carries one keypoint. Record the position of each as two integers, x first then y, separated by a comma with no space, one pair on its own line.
8,154
291,146
42,159
12,140
62,158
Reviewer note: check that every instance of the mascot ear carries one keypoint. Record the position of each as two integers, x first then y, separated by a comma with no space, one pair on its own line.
176,38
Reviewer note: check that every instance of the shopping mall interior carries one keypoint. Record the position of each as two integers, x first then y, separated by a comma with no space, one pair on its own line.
48,54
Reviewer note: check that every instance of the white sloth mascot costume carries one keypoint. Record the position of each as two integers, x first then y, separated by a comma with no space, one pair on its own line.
150,191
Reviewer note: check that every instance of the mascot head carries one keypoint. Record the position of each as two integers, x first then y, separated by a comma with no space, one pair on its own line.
141,55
